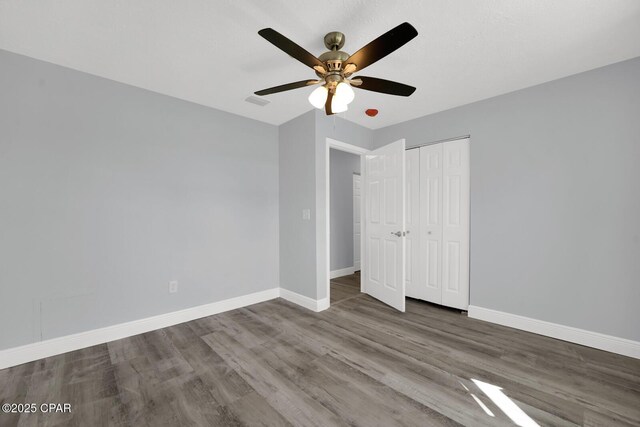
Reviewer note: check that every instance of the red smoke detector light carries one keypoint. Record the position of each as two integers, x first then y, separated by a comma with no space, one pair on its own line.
371,112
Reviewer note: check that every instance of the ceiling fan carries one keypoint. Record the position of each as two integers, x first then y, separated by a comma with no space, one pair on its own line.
334,67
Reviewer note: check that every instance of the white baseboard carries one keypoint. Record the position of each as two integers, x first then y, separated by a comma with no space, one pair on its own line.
342,272
597,340
322,304
30,352
306,302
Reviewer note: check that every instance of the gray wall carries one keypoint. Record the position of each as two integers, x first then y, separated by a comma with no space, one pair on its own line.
343,165
555,197
108,192
297,183
303,165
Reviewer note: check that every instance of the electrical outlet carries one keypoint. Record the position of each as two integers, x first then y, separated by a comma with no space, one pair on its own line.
306,214
173,287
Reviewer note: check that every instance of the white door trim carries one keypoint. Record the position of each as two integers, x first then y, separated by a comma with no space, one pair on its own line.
357,178
349,148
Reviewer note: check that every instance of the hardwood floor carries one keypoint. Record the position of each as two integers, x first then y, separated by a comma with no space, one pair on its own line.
358,363
345,287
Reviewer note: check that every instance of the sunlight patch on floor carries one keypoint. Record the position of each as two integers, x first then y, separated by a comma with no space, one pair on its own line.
507,405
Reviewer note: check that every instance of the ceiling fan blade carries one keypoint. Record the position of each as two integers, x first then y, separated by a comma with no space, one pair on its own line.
288,86
327,105
385,86
383,46
292,49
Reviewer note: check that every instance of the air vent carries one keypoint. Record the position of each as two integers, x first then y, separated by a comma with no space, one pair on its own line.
258,101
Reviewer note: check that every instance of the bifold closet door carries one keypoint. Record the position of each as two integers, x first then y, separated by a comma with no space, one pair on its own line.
455,224
430,259
443,259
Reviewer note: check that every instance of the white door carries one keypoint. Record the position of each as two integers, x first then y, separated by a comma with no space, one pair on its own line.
384,193
455,224
412,244
430,261
356,221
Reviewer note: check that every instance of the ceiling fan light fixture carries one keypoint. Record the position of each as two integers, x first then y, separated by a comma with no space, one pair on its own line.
318,97
337,106
344,93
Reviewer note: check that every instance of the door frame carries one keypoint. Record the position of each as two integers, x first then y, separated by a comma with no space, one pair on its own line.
353,149
357,267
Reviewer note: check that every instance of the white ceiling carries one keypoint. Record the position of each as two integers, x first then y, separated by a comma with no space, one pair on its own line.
209,52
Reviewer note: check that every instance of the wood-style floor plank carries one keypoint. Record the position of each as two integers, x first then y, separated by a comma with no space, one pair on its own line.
345,287
358,363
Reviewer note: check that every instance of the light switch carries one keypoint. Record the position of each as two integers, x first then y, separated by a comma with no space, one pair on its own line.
173,287
306,214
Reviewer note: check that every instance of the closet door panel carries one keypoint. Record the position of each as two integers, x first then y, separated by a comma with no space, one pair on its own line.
357,224
455,224
413,289
430,260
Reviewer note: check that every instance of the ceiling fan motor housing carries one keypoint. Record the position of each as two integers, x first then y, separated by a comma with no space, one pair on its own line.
334,58
333,61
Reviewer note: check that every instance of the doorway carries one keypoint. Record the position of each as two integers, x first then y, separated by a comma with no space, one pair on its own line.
344,211
343,226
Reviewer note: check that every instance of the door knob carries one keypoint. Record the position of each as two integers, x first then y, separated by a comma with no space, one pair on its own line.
397,233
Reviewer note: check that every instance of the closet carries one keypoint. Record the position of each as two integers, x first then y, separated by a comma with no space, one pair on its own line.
437,220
